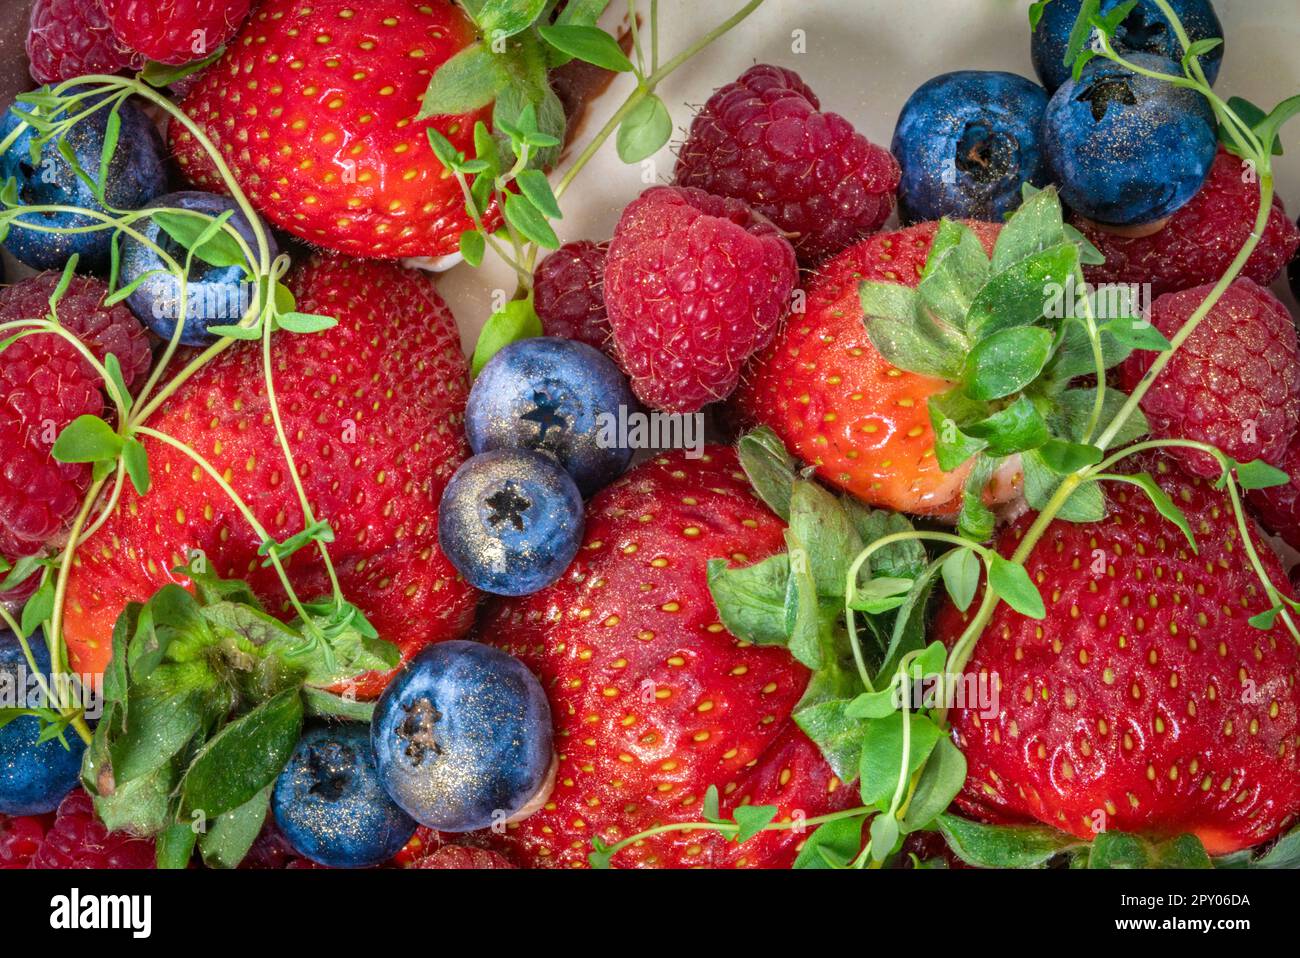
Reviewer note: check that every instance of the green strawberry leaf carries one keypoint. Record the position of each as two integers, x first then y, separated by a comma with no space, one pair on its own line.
472,247
229,838
818,519
534,185
769,468
589,44
174,847
304,323
1120,850
833,845
1160,499
1258,474
467,81
1014,428
904,559
1069,419
1003,846
1035,226
38,609
1136,333
518,320
505,18
1006,361
908,632
873,705
955,271
937,786
1015,296
1066,457
961,577
203,236
87,439
883,755
1011,583
917,345
803,622
751,599
1080,33
752,819
530,221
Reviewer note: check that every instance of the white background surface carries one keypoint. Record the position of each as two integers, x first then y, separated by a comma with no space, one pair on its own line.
863,59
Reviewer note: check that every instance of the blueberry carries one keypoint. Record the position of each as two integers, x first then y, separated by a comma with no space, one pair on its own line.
1128,149
967,142
215,296
1144,30
136,175
555,396
34,778
463,738
329,804
510,521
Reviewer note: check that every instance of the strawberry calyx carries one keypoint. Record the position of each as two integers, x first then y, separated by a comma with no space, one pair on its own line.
204,701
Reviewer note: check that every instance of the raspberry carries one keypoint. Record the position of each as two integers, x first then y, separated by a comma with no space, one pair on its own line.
79,840
70,38
694,285
569,294
104,330
1200,241
178,32
1234,384
270,852
46,385
1278,507
20,838
462,857
763,140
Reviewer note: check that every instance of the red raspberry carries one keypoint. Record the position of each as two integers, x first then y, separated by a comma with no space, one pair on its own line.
1234,384
462,857
569,294
1200,241
20,838
694,284
79,840
763,140
1278,508
178,32
270,852
46,384
104,330
70,38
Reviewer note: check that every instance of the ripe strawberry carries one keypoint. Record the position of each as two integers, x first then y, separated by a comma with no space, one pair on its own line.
834,400
70,38
1234,384
1144,702
105,330
46,384
653,699
77,839
1200,241
20,838
177,32
762,139
694,285
373,409
317,121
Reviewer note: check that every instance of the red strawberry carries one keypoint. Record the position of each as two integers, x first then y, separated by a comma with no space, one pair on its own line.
834,400
46,384
1234,384
569,294
70,38
1200,241
105,330
20,838
763,140
373,409
179,31
314,106
694,285
654,700
462,857
1144,702
77,839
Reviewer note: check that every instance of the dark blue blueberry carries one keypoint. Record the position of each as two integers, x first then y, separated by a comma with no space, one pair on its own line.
33,778
510,521
136,175
1128,149
556,396
967,142
216,295
329,804
463,738
1144,30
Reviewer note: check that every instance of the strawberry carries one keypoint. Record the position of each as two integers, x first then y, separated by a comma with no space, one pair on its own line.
373,408
654,700
176,32
314,108
1144,701
837,403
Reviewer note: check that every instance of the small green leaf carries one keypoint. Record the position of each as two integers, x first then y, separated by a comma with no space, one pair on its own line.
833,845
1081,32
1066,457
204,236
518,320
505,18
1011,583
534,185
1036,10
38,609
112,133
529,221
1264,620
324,704
136,459
952,446
467,81
709,807
1035,226
87,439
872,705
472,247
590,44
1003,846
644,131
600,858
942,779
229,838
822,524
1137,334
751,599
1019,295
1007,361
882,754
884,836
1161,500
889,301
117,384
769,468
1258,474
1016,428
918,345
244,333
447,154
802,612
961,577
752,819
305,322
161,75
175,847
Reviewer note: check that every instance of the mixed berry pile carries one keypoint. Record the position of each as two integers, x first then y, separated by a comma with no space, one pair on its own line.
983,564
